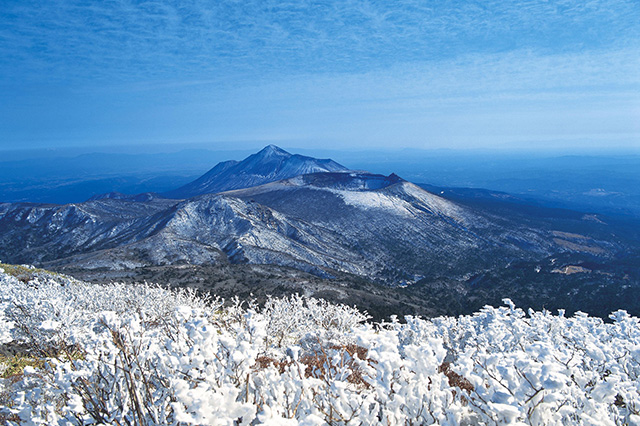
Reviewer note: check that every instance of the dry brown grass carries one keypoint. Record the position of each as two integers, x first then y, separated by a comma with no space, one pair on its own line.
320,363
455,379
24,273
16,364
263,362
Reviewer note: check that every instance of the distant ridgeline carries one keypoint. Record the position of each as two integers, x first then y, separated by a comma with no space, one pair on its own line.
277,223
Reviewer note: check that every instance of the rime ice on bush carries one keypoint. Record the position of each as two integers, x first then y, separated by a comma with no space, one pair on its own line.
118,354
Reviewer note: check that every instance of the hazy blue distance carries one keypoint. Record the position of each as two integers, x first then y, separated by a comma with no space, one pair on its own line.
320,74
602,184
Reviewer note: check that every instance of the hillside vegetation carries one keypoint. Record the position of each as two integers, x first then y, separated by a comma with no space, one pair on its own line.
85,354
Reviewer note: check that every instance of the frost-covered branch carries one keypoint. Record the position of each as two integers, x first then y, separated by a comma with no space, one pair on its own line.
145,355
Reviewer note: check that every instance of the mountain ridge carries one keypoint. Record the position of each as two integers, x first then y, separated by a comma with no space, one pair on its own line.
268,165
394,233
343,224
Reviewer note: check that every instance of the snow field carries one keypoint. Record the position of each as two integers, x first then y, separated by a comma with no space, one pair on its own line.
144,355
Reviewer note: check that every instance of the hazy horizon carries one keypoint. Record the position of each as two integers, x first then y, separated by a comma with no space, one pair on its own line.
62,151
605,182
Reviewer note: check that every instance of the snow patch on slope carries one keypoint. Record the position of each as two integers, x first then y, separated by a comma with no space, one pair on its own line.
404,199
435,203
376,201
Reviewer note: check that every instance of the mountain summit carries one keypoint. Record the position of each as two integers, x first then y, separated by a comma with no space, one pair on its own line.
269,165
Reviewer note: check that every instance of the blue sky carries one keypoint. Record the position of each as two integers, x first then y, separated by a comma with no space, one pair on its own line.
334,74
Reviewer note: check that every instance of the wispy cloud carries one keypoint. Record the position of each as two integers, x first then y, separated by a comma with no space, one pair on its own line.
405,70
125,40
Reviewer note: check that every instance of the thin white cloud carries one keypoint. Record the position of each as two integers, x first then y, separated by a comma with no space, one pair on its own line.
125,40
404,70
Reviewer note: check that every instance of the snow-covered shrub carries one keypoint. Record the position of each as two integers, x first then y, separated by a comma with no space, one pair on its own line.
542,369
50,309
149,356
291,319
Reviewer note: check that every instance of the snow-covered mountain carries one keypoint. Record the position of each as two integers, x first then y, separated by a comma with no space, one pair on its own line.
268,165
344,224
374,226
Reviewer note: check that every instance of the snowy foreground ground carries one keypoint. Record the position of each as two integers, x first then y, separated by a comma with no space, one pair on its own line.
144,355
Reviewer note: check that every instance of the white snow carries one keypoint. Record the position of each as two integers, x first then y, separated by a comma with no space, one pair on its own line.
375,200
148,355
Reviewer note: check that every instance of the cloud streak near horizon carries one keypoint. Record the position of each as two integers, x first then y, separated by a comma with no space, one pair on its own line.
353,72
